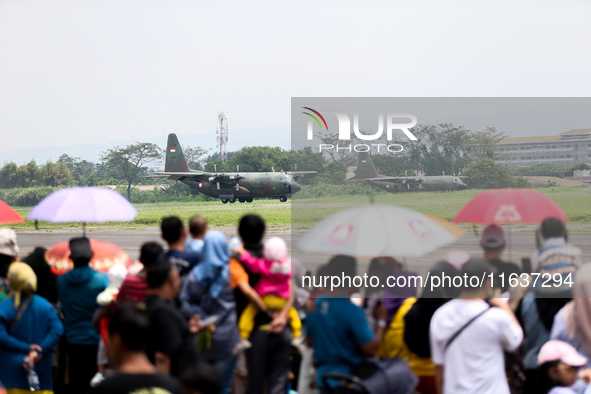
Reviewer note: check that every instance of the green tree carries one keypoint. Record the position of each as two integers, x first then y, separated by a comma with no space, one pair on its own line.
484,142
486,174
29,175
212,165
130,162
391,165
440,148
341,154
8,176
195,157
56,174
259,158
307,160
82,170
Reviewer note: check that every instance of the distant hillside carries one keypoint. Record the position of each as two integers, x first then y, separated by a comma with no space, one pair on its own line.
265,136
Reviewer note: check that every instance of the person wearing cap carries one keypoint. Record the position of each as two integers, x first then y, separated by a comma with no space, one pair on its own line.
468,338
29,327
559,366
78,291
556,256
8,255
493,244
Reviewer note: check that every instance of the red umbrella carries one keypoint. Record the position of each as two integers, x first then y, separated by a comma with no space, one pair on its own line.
9,215
509,206
106,255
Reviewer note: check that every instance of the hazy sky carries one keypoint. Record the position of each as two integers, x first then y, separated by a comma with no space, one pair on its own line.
87,72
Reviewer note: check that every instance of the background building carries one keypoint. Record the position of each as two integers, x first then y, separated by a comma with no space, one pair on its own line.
569,148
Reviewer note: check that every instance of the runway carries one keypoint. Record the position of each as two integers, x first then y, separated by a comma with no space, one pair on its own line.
521,244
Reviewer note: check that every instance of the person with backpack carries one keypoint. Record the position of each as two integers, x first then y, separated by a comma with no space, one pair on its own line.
469,337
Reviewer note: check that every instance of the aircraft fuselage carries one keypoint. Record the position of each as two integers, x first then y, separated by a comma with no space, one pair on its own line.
430,183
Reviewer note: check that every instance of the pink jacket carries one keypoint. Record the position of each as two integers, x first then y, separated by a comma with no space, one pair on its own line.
275,275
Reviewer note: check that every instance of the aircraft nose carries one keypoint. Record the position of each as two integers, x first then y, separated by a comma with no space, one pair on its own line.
462,186
294,187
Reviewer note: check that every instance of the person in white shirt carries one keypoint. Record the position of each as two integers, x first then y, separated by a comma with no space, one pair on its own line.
469,336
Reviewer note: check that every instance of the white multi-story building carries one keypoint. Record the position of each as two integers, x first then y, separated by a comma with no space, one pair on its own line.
569,148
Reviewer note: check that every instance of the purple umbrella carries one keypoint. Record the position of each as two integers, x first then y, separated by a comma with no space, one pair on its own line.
84,204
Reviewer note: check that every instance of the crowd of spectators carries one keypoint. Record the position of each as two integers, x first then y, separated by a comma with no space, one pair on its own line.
199,316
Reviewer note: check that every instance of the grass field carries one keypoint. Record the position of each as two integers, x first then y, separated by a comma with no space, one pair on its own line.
306,212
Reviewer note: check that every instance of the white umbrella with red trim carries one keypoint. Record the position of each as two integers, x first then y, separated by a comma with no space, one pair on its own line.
379,230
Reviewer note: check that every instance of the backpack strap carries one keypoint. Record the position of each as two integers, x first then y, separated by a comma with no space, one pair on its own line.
464,327
20,313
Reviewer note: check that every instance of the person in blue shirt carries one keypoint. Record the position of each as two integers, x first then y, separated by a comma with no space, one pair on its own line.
29,327
77,291
197,229
337,328
175,235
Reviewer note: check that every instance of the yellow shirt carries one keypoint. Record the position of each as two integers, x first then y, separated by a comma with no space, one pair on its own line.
393,344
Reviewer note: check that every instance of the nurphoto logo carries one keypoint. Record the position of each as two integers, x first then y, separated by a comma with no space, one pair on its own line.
345,129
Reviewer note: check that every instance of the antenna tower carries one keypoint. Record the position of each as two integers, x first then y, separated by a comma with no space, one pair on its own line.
222,136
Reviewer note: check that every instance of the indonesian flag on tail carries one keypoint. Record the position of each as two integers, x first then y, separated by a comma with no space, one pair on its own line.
173,149
363,160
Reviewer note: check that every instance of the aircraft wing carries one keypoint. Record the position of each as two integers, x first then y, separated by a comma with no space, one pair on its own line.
196,176
297,173
395,179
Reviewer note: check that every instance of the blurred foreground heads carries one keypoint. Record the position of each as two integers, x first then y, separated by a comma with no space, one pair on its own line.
129,330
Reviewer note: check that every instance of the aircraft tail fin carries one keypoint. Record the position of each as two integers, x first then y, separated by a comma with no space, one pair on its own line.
175,160
365,167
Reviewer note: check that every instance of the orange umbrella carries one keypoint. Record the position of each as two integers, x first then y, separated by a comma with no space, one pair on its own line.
106,255
455,230
9,215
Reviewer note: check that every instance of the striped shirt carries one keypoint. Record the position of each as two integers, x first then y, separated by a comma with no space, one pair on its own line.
133,289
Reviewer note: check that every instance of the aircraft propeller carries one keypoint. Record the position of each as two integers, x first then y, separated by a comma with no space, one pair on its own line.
237,178
216,177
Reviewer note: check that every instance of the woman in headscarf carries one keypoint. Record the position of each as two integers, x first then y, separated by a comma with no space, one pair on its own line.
29,327
205,293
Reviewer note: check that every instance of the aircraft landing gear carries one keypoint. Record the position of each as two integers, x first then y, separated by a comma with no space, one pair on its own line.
283,199
224,200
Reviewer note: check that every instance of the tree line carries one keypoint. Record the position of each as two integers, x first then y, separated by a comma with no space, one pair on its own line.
440,148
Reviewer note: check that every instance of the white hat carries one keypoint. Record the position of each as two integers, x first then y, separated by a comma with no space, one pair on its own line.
8,244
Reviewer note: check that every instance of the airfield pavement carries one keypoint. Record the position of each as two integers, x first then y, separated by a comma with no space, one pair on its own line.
521,244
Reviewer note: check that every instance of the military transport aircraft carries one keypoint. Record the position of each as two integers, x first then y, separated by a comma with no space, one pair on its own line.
367,172
228,186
